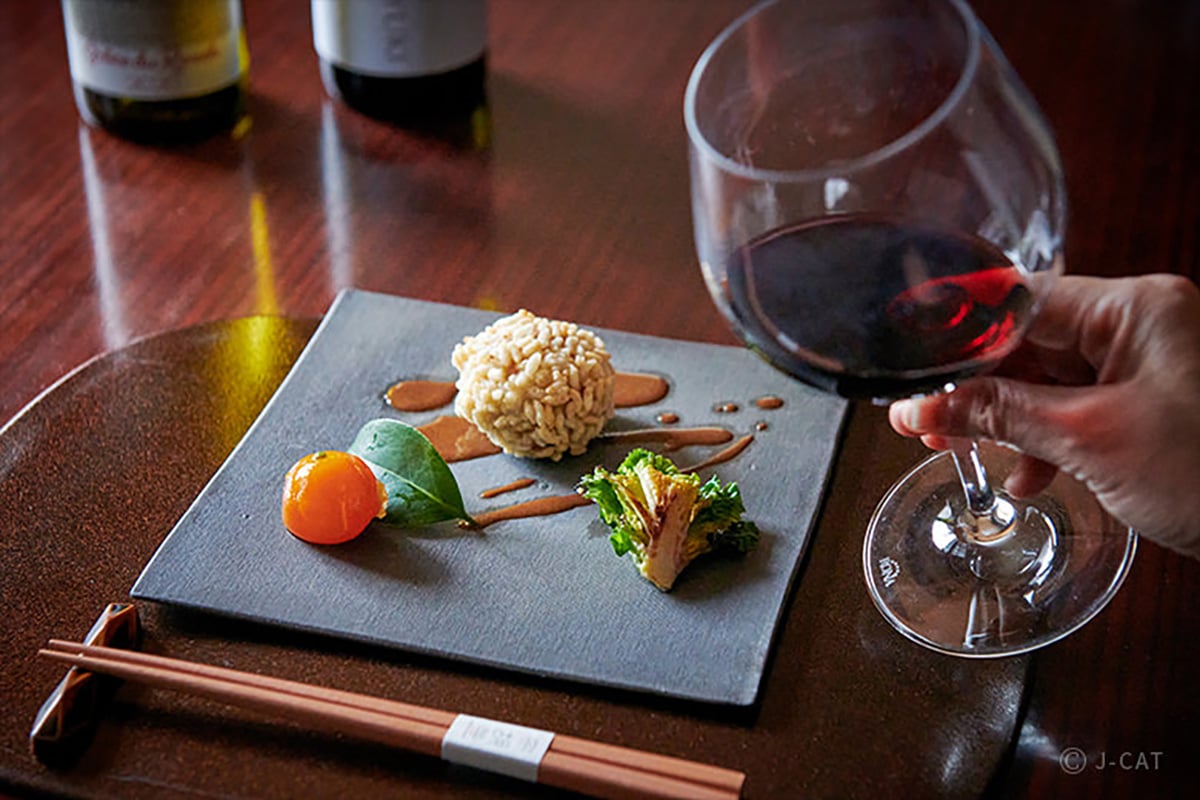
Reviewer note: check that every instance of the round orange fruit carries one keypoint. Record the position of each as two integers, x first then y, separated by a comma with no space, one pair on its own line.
330,497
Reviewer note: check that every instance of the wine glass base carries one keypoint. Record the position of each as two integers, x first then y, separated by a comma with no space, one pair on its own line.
965,587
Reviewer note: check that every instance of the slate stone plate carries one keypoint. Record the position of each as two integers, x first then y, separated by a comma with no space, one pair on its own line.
544,595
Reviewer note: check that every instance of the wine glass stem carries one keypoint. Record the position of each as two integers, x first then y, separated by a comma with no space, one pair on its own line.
981,500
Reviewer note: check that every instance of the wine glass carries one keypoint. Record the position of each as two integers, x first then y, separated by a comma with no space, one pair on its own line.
879,211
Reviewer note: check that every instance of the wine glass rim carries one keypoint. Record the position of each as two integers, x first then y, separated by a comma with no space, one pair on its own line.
841,168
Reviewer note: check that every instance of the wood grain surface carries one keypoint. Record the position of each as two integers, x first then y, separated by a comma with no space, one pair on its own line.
579,209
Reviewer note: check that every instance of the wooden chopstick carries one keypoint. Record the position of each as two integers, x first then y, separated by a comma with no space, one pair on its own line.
717,777
580,765
649,762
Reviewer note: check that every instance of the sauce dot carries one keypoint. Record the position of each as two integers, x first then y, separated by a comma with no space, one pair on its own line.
638,389
414,395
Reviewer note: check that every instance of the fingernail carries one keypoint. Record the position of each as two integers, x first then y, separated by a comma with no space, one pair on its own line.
907,414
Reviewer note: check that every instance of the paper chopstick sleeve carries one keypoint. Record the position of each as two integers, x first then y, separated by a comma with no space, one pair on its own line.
499,747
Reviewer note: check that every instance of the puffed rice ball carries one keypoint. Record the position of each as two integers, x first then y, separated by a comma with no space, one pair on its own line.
538,388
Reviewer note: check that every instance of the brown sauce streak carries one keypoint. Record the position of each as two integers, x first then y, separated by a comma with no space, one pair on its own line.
638,389
420,395
725,408
761,426
668,418
670,438
629,389
728,454
556,504
541,507
520,483
456,439
769,402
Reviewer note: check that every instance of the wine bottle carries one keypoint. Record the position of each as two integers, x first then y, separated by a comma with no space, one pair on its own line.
158,71
415,63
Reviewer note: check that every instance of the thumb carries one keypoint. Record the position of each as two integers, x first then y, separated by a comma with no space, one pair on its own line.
1037,419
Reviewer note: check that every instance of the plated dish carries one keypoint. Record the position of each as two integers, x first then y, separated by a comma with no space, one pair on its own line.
543,594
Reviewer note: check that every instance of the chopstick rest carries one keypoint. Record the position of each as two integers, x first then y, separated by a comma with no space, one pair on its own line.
63,726
501,747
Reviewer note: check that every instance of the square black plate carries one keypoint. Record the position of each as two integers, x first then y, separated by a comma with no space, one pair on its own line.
544,595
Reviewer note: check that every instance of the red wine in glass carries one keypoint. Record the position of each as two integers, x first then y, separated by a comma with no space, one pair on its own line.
872,307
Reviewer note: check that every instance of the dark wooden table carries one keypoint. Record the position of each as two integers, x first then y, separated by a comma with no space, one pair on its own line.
579,209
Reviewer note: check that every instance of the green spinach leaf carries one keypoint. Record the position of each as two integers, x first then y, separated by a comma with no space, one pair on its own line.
421,489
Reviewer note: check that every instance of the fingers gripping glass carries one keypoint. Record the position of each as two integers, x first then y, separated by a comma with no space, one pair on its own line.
879,208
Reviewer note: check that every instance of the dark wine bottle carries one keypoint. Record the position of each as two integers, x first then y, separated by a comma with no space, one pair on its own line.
419,64
158,71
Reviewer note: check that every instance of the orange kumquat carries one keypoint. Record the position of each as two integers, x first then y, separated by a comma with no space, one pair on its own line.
330,497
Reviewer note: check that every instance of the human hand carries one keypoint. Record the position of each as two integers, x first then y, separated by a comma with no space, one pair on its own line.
1106,387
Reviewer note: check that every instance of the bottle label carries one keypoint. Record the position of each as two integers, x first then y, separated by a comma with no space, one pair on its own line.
399,38
154,49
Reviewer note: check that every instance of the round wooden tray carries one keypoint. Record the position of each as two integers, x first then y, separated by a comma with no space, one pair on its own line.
95,472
